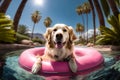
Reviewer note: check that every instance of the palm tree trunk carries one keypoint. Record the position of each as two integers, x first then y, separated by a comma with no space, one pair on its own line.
4,6
33,31
87,27
114,7
93,15
83,24
99,12
83,19
18,14
80,36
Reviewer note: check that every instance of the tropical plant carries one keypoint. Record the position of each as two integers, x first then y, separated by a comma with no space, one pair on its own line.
6,29
23,29
110,35
18,14
86,10
79,11
116,66
35,18
47,22
79,29
20,37
36,39
4,6
86,7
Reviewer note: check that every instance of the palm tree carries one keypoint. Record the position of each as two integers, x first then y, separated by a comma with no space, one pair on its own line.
79,11
113,7
47,22
99,12
86,7
23,29
93,15
18,14
86,10
4,6
79,29
35,18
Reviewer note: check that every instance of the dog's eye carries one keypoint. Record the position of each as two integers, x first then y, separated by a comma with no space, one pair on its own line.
55,30
64,30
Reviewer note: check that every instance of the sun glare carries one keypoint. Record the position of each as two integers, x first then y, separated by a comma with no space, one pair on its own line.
38,2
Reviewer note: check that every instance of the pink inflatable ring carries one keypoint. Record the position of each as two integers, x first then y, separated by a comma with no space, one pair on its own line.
87,59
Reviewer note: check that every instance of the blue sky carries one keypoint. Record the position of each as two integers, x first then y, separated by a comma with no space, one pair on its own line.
60,11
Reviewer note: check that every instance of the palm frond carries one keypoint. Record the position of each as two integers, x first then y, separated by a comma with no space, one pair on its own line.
110,35
114,22
6,29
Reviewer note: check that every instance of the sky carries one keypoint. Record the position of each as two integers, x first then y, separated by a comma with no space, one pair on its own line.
60,11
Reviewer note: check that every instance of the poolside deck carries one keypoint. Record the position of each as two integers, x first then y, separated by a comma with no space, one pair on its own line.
4,48
22,46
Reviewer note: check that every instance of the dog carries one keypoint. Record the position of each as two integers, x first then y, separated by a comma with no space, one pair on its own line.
59,47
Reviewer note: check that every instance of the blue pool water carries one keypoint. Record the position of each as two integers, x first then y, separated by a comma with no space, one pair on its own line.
12,70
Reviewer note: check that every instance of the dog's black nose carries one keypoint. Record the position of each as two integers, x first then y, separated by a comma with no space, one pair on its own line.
56,56
59,36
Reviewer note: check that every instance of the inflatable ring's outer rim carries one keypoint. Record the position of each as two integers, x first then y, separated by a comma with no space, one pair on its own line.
81,72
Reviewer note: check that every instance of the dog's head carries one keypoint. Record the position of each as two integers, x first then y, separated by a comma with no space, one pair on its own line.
60,35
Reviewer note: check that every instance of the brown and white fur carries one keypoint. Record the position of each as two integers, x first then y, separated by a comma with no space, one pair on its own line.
59,47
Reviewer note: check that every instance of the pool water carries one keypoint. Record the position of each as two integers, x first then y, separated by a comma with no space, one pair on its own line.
12,70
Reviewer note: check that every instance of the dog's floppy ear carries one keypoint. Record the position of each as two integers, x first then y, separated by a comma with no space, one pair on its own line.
48,33
47,36
72,34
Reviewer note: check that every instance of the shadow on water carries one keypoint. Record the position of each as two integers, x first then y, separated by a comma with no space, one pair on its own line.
12,70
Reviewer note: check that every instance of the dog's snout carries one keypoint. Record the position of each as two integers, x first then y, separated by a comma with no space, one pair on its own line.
59,36
56,56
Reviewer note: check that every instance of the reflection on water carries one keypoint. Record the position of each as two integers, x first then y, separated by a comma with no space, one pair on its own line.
12,70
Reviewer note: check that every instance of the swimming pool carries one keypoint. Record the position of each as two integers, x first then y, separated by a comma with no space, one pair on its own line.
12,70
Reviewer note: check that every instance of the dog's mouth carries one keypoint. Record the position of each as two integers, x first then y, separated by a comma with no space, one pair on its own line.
59,44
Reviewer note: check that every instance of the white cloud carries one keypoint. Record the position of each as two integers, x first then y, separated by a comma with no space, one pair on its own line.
91,33
8,16
29,31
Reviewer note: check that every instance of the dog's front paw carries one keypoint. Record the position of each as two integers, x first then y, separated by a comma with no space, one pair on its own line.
35,68
73,65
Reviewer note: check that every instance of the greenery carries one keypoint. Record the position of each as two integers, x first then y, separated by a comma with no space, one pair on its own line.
116,66
38,40
35,18
84,9
47,22
110,35
23,29
79,29
20,37
81,41
6,29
